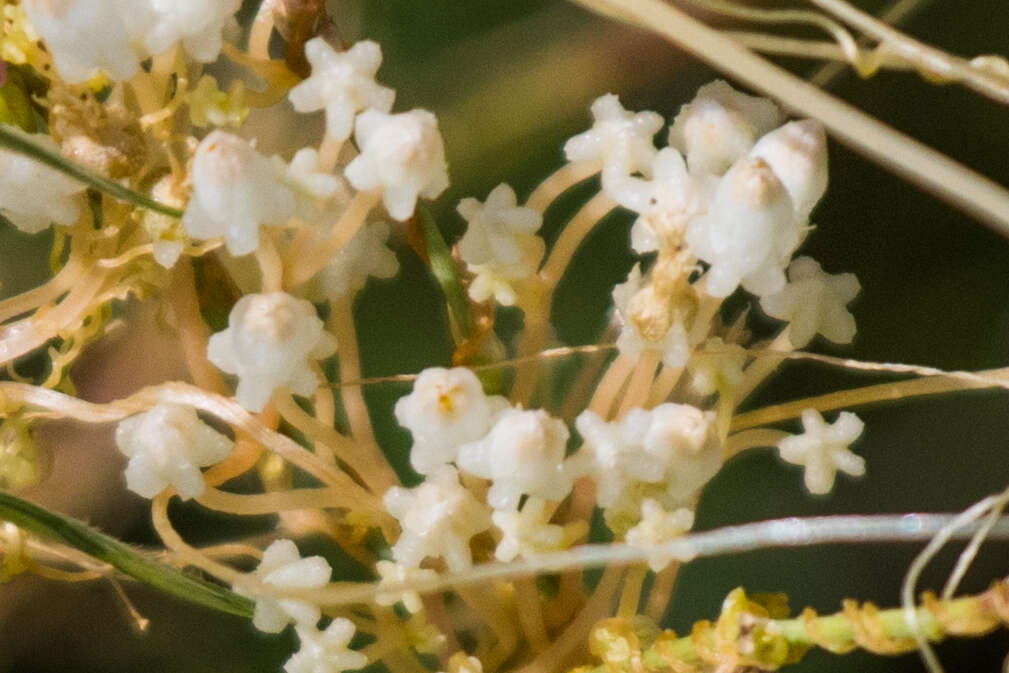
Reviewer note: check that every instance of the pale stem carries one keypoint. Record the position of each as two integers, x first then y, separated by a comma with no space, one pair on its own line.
911,159
751,439
270,266
193,332
855,397
665,382
300,270
871,60
530,614
630,595
67,277
262,28
610,386
29,333
242,458
561,180
576,633
580,391
537,327
377,470
895,14
274,501
490,611
661,592
764,365
933,60
182,550
351,452
329,153
640,382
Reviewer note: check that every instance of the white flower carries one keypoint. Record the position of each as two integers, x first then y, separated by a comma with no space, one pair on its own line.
620,140
269,340
343,83
401,154
235,190
25,179
797,152
718,367
814,303
347,271
672,445
657,527
198,24
112,36
396,573
522,454
720,126
437,519
88,36
665,204
749,232
447,408
504,282
282,567
166,447
529,532
631,300
822,449
495,226
326,651
303,175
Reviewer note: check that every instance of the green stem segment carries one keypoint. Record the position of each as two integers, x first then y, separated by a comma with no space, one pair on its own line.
444,269
17,142
122,557
748,634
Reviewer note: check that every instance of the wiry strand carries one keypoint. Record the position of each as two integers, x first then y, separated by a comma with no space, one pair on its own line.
789,532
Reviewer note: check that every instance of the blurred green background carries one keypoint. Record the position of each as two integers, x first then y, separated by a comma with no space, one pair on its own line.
510,80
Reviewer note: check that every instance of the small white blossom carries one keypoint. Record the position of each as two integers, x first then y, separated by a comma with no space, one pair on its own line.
620,140
447,408
495,226
665,204
269,340
797,152
504,282
401,154
522,454
717,367
529,532
822,449
235,190
673,344
437,519
25,178
673,445
199,25
814,302
396,573
303,175
749,232
657,527
166,447
282,567
720,126
366,255
86,37
326,651
343,83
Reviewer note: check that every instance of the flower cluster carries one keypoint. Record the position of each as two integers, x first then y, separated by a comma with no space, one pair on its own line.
258,256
